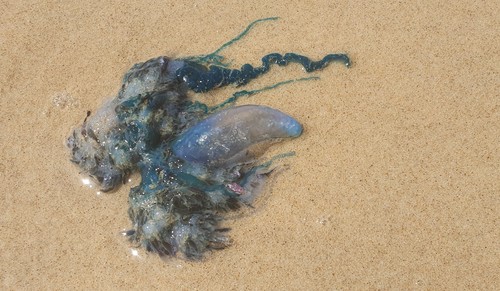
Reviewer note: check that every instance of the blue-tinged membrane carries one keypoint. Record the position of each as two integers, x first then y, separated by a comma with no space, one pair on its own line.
223,135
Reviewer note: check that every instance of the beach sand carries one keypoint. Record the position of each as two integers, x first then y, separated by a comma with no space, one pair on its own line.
395,183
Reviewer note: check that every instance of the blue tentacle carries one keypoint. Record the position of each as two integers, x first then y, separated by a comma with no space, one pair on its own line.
202,79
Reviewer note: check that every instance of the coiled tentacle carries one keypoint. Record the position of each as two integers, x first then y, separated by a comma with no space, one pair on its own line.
201,79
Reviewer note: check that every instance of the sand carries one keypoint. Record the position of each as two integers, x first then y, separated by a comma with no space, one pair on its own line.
395,183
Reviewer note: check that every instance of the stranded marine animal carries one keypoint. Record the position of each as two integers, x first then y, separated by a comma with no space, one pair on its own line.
191,157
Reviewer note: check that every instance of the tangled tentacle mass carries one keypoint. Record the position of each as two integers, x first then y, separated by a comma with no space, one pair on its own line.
192,158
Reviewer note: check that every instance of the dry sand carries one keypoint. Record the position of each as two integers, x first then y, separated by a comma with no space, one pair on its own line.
396,181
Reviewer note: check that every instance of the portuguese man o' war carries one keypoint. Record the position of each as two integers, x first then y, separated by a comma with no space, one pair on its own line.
193,158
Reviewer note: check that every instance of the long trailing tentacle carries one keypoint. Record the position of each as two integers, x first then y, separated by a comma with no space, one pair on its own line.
237,95
200,79
215,55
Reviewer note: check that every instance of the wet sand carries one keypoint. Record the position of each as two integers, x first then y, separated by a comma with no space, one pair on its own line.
395,183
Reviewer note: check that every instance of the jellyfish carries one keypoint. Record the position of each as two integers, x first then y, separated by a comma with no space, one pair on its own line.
194,160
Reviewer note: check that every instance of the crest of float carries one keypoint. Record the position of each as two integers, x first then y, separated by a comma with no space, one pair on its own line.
191,157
